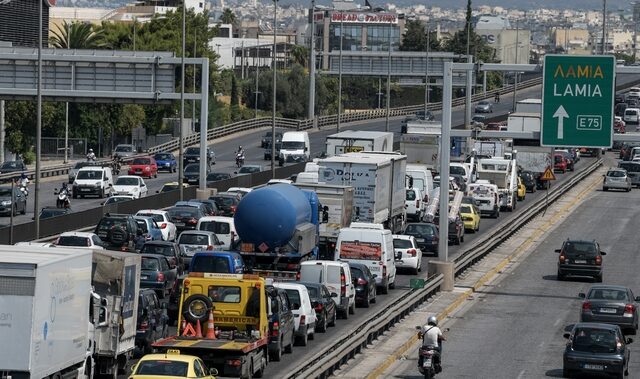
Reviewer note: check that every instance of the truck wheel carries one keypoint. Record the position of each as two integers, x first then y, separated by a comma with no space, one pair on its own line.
385,289
196,308
352,308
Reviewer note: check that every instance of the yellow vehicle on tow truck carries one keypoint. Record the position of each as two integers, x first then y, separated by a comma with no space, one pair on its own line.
223,319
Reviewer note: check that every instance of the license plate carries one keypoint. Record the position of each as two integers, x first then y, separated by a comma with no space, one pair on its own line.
420,239
85,189
179,223
607,310
590,366
144,277
580,261
374,268
426,363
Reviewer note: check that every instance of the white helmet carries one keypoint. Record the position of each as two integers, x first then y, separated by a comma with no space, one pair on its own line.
432,320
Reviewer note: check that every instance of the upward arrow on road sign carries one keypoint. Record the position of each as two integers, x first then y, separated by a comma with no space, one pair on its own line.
561,114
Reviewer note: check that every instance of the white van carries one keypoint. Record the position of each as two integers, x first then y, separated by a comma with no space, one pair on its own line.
295,147
223,227
632,115
372,245
336,276
93,180
461,169
414,204
422,178
303,313
486,194
307,177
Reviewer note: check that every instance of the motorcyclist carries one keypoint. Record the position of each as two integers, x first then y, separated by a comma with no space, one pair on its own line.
139,240
240,155
432,336
91,156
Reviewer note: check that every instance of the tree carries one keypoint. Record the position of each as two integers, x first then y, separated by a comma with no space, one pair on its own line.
76,35
415,37
300,55
228,17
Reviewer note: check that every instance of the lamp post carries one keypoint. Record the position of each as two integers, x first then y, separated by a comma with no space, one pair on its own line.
386,123
379,92
256,91
340,73
181,142
273,105
426,74
604,24
312,65
193,102
36,194
515,81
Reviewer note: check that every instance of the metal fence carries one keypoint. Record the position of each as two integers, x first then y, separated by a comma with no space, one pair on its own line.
54,147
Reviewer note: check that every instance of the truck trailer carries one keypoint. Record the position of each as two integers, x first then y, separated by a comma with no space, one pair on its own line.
351,141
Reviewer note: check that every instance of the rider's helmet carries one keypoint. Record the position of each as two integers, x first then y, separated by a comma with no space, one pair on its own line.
23,176
91,150
432,320
240,148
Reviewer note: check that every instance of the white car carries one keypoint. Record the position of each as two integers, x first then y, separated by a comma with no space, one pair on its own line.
414,204
79,240
243,191
168,228
407,253
118,199
130,185
303,312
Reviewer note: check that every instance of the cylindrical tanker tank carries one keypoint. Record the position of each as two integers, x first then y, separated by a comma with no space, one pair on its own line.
270,215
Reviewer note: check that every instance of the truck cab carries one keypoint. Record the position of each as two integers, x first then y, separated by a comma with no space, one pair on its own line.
295,147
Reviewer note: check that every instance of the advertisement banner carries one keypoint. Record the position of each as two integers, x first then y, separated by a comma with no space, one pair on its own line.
360,250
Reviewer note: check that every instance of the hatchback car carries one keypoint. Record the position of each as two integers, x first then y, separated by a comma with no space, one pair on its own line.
151,324
166,161
171,365
426,235
633,171
130,185
124,151
163,220
227,202
560,163
470,217
322,302
364,282
611,305
618,179
619,125
484,106
192,241
407,253
578,257
144,166
12,166
157,274
170,250
595,348
149,227
12,201
83,240
192,173
249,169
185,218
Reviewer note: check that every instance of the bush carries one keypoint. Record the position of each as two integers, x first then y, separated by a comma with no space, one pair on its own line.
29,157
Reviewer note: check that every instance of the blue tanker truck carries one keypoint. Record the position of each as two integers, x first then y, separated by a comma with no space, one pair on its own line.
278,228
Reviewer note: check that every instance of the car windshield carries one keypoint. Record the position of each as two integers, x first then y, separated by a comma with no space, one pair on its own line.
194,239
465,209
411,195
163,368
483,103
183,212
192,168
616,174
162,157
420,230
192,150
457,170
124,181
89,174
124,149
151,264
222,201
248,169
400,243
594,340
215,226
73,241
292,145
157,249
557,159
5,192
141,161
156,216
580,249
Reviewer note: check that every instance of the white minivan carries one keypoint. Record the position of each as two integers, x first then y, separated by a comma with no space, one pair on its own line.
223,227
422,178
486,194
336,276
632,115
93,180
303,313
372,245
295,147
414,204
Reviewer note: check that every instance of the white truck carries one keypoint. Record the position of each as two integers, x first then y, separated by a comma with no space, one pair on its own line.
378,180
523,122
486,194
529,106
535,159
490,148
351,141
64,312
504,174
336,213
421,144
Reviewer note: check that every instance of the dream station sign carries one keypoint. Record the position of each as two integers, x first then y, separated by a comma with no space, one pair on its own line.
365,18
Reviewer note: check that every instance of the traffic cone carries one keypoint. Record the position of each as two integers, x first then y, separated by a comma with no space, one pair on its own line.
198,330
211,333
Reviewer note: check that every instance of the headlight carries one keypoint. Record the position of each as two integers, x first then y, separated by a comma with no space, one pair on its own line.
6,202
147,168
135,189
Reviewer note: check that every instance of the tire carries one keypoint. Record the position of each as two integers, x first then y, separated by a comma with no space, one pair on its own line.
101,194
24,209
303,340
352,309
385,289
345,314
277,355
366,303
605,189
289,348
323,327
312,336
392,285
333,321
560,276
598,279
197,300
566,373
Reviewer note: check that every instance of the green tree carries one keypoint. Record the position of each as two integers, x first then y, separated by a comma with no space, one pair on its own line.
415,37
300,55
76,35
228,16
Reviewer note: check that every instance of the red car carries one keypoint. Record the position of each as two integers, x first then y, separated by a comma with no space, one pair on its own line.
560,163
619,125
144,166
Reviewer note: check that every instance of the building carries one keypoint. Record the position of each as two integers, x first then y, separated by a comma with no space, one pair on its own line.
512,45
19,22
571,40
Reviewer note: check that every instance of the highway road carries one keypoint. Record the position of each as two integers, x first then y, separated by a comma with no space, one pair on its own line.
515,328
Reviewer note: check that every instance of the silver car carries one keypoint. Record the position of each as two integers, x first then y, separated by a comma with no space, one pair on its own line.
192,241
616,178
611,305
484,107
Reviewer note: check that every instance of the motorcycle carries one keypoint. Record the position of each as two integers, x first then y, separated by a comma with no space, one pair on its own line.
239,159
63,199
116,165
23,186
429,361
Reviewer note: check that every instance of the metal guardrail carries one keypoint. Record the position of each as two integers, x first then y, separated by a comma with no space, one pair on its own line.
325,362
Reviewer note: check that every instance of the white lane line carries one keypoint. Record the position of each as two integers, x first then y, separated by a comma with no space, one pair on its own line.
557,322
521,375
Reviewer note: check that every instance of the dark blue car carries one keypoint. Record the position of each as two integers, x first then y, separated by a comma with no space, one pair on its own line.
166,161
225,262
157,274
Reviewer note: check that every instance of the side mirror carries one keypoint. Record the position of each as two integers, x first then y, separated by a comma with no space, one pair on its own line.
333,294
55,191
629,340
418,327
582,295
157,191
102,203
133,368
235,172
603,253
567,335
637,298
110,184
557,250
374,275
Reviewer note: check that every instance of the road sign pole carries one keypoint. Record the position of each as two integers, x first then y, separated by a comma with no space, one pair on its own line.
443,250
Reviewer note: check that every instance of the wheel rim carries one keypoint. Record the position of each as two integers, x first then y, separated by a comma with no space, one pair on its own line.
197,309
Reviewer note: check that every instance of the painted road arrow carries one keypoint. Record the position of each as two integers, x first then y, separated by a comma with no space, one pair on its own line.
561,114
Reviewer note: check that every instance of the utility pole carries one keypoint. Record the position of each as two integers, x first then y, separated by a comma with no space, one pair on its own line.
36,179
426,75
273,105
312,65
604,25
379,92
467,91
386,123
193,102
181,142
257,89
636,10
340,74
515,80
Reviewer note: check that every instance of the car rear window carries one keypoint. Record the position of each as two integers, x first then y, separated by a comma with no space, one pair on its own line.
399,243
224,294
216,227
630,167
616,174
356,273
209,263
333,274
107,223
311,273
72,241
411,195
581,249
183,212
156,217
294,296
224,201
419,230
141,161
457,170
162,157
163,368
157,249
594,340
151,264
465,209
193,239
608,294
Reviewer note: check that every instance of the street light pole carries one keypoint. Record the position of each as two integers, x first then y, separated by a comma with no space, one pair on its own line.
340,74
386,123
426,75
273,106
312,65
604,24
515,81
36,179
256,91
193,102
181,143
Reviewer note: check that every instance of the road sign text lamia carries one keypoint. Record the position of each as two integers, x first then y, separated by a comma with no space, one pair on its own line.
577,72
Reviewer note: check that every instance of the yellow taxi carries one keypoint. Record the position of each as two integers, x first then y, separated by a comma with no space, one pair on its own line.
522,189
171,186
171,365
470,217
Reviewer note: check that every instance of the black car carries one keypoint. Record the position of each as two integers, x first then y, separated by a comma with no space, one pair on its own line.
12,166
364,282
582,258
595,348
227,202
173,305
117,231
48,212
192,155
426,235
267,151
529,181
192,173
152,323
210,206
12,204
267,138
155,273
213,177
169,250
322,302
281,323
185,218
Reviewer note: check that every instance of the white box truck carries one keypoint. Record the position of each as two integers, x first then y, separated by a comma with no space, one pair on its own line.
354,141
378,180
529,106
535,159
504,174
421,144
523,122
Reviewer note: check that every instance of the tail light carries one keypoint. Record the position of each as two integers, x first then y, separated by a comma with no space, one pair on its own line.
144,325
598,260
124,248
412,252
303,320
160,277
562,258
233,362
192,221
233,209
629,310
210,247
292,266
163,225
384,271
361,282
417,203
297,276
318,307
343,285
427,353
586,306
275,329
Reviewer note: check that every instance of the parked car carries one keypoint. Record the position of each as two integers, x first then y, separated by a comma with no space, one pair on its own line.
611,304
156,274
124,151
184,218
192,241
144,166
407,253
149,227
84,240
484,106
73,171
616,178
152,321
192,173
130,185
281,323
12,201
12,166
364,283
227,202
192,155
582,258
213,177
304,316
323,304
162,218
595,348
170,250
426,235
166,161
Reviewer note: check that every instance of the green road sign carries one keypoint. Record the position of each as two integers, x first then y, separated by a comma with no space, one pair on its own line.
416,283
577,100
